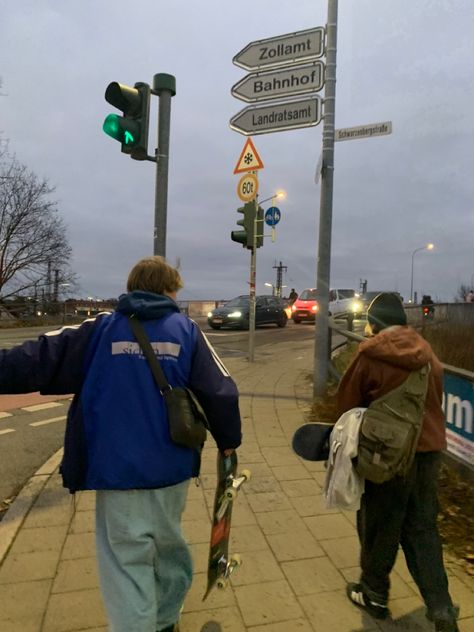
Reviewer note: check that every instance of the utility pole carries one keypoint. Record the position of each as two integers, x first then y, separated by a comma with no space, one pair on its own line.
321,338
164,86
279,281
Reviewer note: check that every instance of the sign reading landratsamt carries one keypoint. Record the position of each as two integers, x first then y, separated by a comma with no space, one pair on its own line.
277,118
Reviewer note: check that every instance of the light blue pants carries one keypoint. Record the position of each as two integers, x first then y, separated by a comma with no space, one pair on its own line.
145,566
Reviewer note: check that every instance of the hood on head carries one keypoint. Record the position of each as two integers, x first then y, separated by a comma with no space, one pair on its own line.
146,305
398,346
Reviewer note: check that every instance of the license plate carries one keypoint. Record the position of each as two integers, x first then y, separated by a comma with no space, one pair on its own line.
217,320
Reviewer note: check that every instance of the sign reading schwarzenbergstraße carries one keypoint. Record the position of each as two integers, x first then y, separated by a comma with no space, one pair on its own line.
363,131
278,117
292,48
280,83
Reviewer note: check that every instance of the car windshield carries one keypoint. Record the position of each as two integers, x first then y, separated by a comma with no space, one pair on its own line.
240,301
308,295
346,293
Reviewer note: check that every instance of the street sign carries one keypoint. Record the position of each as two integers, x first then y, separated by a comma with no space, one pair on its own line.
247,188
277,118
292,48
363,131
272,216
280,83
249,159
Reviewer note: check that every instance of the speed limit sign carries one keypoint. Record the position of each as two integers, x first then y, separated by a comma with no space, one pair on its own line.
247,188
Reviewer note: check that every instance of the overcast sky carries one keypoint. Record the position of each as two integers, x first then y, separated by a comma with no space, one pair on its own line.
405,61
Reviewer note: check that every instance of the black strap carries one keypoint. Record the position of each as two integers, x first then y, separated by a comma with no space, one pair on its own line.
140,334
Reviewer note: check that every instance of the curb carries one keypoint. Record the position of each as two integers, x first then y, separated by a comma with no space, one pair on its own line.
15,516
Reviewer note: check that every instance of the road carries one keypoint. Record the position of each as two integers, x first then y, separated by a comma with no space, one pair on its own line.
32,427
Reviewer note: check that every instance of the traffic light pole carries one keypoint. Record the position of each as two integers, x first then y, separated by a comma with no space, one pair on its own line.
164,86
253,276
321,338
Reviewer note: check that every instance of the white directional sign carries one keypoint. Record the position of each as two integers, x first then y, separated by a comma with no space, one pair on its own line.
280,83
363,131
258,119
292,48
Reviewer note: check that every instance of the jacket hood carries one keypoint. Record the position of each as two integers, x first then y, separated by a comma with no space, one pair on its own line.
146,305
398,346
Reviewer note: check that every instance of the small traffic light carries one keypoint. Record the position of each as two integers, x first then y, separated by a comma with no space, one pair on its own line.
131,129
259,227
245,236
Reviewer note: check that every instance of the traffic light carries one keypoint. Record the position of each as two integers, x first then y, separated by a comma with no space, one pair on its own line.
131,129
245,236
259,227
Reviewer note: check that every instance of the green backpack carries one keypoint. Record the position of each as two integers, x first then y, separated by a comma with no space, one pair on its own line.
390,429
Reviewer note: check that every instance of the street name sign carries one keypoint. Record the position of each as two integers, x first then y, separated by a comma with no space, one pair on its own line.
280,83
363,131
249,159
257,119
247,188
282,50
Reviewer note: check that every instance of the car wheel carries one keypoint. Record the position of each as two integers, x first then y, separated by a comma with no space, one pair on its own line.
282,321
215,326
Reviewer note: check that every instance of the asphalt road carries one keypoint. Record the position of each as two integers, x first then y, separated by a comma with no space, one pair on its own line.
29,436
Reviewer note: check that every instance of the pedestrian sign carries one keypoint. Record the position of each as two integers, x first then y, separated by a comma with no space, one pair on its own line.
249,159
272,216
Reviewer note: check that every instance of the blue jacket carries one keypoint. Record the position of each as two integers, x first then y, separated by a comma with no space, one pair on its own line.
117,434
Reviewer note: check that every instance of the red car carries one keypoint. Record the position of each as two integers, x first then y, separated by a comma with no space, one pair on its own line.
305,307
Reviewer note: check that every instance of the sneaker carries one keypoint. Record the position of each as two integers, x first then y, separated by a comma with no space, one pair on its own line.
359,598
445,620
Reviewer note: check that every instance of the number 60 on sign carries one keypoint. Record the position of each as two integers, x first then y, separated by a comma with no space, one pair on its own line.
247,188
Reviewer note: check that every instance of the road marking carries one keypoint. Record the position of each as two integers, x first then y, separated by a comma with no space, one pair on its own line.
36,407
3,415
48,421
6,431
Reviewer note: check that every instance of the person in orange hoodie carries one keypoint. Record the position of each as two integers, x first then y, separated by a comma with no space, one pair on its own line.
402,511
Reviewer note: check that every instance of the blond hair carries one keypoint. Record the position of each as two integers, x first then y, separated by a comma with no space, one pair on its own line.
153,274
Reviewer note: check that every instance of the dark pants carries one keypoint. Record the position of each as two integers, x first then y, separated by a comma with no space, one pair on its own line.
403,511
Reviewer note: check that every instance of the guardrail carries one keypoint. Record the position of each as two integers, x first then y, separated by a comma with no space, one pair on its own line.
458,405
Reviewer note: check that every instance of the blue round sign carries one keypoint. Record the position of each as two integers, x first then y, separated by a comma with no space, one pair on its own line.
272,216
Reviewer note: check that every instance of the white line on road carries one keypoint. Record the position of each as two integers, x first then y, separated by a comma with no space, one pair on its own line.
4,415
6,431
36,407
47,421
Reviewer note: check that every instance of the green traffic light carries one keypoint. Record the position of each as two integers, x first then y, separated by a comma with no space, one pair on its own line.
116,127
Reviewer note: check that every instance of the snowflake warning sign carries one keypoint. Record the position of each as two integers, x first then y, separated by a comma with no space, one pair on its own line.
249,159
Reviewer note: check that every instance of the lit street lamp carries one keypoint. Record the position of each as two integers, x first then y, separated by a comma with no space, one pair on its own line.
427,247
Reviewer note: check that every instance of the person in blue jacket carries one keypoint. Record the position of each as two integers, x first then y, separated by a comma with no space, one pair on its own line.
117,438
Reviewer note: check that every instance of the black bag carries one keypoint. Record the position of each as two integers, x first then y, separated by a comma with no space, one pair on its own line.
186,418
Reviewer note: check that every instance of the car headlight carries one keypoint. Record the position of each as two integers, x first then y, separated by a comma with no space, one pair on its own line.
356,306
235,315
293,308
210,314
314,308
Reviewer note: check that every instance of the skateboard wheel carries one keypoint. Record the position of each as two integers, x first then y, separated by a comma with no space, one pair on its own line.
236,559
221,583
231,493
247,474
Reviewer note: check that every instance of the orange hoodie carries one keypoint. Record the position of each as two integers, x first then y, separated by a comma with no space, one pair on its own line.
383,363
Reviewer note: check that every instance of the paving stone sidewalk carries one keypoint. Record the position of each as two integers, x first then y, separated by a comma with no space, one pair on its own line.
297,554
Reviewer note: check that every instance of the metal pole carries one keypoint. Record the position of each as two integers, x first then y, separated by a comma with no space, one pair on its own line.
253,275
321,337
165,87
411,284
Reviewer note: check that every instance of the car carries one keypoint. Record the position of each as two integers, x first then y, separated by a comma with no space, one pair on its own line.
235,313
305,307
343,302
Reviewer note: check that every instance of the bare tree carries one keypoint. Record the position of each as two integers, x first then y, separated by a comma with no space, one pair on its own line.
33,239
463,291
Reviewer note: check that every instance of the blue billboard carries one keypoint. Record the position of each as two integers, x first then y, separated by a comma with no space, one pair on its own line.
458,406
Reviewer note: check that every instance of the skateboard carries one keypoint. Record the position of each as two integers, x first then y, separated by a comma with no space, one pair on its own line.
311,441
221,566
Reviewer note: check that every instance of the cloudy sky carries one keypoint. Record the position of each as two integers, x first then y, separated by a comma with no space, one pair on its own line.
405,61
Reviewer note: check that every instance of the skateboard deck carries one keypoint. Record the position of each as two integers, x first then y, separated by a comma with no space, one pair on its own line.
220,565
311,441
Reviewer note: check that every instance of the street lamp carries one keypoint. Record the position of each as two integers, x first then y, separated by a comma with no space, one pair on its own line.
427,247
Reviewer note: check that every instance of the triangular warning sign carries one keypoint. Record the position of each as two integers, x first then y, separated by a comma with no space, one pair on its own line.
249,159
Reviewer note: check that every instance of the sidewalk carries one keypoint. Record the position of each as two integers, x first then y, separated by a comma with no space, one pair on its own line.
297,555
